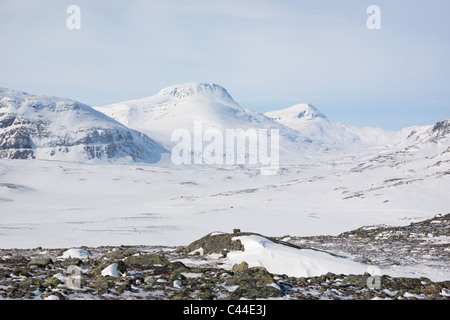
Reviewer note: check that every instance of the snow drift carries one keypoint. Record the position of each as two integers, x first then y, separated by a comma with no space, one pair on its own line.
280,259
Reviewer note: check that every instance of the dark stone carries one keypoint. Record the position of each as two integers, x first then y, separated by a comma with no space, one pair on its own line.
253,292
218,243
31,283
41,262
52,282
356,280
120,254
174,267
103,284
256,276
243,266
146,261
69,262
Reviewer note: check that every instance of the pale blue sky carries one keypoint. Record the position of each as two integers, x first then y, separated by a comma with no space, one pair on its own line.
268,54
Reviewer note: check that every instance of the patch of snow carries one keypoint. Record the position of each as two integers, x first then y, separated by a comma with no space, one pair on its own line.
280,259
389,292
231,288
445,292
199,251
61,277
111,270
411,295
437,240
191,275
76,253
217,233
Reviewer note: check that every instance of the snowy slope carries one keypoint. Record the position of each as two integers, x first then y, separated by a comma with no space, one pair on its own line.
310,122
293,115
436,133
60,129
180,106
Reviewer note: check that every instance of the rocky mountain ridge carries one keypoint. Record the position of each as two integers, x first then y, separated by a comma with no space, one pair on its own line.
50,128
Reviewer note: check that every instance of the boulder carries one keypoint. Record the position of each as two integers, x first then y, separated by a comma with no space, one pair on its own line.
146,261
216,243
256,276
40,262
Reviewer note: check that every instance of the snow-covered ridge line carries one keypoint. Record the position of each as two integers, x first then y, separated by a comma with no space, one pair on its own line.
303,128
181,106
141,130
195,89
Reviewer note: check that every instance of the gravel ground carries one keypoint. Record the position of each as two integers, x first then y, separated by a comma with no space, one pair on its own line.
152,272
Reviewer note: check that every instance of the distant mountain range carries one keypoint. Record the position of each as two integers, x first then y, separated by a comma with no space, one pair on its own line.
308,120
140,130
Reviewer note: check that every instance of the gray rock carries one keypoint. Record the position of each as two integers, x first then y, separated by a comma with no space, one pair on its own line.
253,292
256,276
239,267
40,262
217,243
146,261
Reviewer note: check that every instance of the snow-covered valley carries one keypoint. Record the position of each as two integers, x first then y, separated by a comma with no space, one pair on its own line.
53,204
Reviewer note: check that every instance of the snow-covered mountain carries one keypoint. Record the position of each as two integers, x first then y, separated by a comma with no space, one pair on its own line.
305,132
310,122
438,132
410,150
180,106
291,116
62,129
43,127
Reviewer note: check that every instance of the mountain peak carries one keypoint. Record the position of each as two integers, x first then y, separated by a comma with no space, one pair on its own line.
305,111
10,92
194,89
299,111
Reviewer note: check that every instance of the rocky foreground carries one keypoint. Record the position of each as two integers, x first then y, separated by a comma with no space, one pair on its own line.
150,272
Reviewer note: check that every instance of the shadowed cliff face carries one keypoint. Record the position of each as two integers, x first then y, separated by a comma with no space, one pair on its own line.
61,129
441,129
